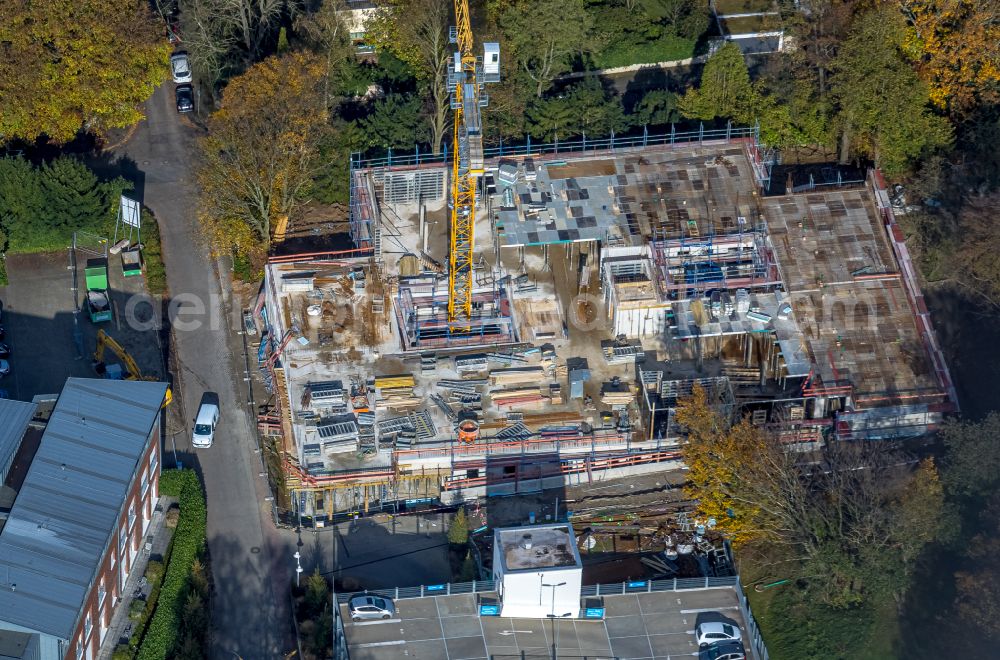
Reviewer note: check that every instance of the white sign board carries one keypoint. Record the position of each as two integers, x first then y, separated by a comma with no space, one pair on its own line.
130,212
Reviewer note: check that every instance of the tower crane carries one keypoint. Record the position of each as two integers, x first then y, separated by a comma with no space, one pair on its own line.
467,74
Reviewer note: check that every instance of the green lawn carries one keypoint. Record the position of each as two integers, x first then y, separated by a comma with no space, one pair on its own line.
723,7
666,49
156,274
747,24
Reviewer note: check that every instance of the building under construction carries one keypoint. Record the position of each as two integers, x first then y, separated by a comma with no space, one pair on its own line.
608,282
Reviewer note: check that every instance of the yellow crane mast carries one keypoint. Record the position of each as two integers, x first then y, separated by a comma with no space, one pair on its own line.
466,75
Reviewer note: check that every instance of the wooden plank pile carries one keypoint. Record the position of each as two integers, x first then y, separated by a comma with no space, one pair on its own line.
518,397
516,376
539,420
616,394
395,393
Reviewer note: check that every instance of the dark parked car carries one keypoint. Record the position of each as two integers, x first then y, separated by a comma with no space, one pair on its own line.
185,98
4,350
723,651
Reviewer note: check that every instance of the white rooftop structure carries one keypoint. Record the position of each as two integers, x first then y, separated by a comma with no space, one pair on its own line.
537,571
537,547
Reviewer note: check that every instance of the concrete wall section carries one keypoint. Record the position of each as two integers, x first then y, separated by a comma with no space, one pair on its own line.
537,594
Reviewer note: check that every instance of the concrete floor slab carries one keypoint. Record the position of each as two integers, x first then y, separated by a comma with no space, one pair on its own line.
631,647
673,645
624,626
461,626
621,606
664,631
457,605
417,608
466,648
433,649
669,624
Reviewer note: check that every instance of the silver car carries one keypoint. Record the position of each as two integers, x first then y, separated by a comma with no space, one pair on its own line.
714,632
366,608
180,68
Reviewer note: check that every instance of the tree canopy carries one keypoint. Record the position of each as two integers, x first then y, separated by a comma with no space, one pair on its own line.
884,111
261,150
852,517
584,109
41,207
72,65
725,89
545,35
416,31
956,44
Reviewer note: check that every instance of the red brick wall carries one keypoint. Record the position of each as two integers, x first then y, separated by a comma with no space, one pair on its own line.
109,566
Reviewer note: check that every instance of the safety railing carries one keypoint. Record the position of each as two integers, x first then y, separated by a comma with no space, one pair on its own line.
583,144
425,590
753,631
611,589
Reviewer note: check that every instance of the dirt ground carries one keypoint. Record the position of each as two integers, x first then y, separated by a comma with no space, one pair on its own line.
50,341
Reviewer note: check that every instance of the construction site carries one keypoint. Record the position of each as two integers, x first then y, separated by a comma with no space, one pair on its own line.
604,286
519,320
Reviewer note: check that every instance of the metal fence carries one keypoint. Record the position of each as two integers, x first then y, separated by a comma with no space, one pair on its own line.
583,144
611,589
753,631
339,641
449,589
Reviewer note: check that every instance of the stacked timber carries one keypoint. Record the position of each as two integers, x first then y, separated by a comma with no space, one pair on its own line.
395,393
541,420
616,394
518,397
516,376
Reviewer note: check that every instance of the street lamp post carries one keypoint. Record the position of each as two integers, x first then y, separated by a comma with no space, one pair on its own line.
552,614
298,567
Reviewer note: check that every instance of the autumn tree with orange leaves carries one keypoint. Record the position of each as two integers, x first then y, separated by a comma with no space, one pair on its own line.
853,516
67,66
260,154
956,47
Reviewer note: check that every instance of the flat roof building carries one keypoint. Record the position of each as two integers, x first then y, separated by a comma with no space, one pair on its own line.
536,547
537,571
75,527
662,263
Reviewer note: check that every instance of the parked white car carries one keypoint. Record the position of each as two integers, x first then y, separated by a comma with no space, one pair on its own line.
371,607
180,68
713,632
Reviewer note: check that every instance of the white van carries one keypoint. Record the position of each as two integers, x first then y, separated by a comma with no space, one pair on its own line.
204,425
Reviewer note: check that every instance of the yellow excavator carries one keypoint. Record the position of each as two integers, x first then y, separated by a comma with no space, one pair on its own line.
132,372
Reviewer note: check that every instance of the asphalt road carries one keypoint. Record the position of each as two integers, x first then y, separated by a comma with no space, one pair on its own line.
250,610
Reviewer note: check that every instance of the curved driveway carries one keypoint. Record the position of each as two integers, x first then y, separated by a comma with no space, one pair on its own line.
250,611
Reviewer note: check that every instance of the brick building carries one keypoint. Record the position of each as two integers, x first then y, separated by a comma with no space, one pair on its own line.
78,519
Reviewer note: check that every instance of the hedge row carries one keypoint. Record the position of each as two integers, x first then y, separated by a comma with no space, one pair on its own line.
189,542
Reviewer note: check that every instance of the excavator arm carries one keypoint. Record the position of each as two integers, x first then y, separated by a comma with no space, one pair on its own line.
104,342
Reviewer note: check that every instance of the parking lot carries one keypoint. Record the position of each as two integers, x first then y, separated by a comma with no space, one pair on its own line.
644,626
47,346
